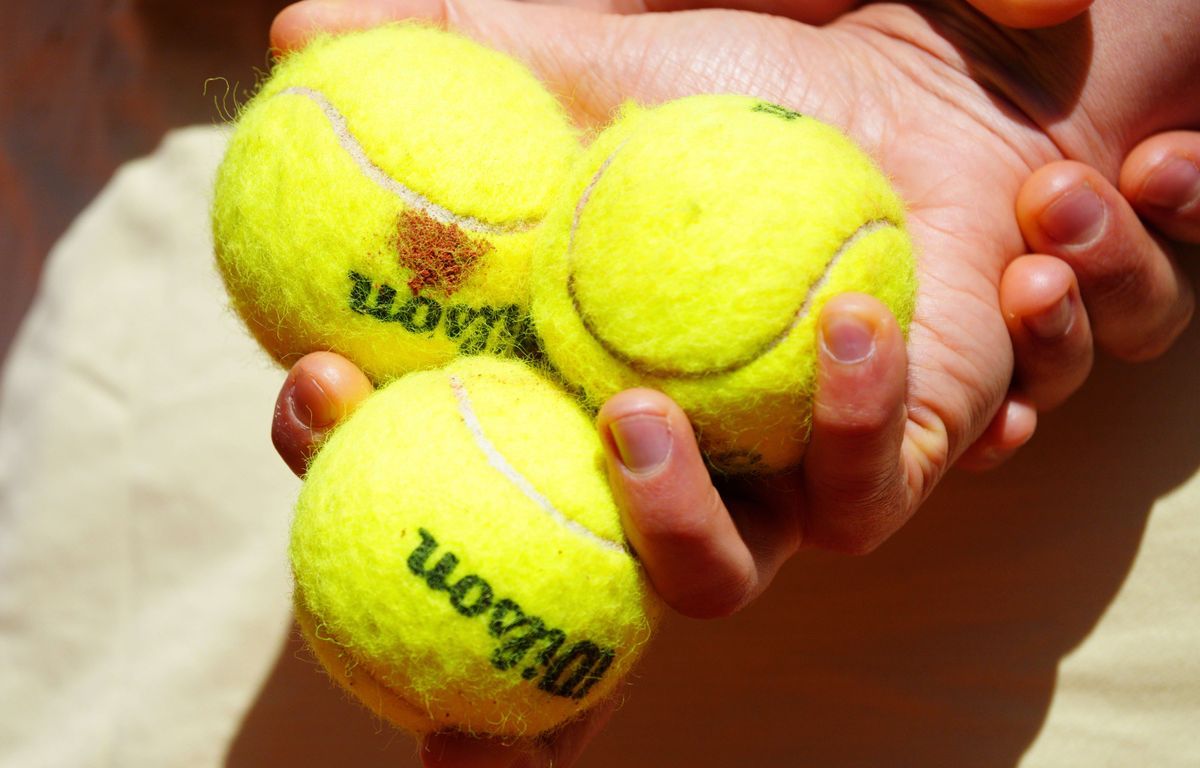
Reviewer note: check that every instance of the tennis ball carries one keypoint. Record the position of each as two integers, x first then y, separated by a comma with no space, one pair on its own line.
692,251
379,195
458,557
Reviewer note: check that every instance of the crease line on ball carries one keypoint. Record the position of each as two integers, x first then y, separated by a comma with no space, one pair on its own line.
412,198
646,368
501,465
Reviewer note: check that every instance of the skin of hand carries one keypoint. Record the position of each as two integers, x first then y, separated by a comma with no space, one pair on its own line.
924,94
1109,278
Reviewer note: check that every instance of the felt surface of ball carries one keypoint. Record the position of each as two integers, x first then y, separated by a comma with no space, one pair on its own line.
458,556
692,251
379,195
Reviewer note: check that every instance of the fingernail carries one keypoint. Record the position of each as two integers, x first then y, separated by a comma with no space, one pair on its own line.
643,441
311,404
1175,184
1052,323
848,338
1076,218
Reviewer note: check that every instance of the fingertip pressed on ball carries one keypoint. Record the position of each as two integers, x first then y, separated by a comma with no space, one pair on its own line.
692,250
378,199
458,556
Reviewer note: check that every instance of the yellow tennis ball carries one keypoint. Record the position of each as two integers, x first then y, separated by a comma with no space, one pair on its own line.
458,557
692,251
379,195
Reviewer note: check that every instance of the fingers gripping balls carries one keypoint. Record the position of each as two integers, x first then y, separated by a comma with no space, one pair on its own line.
409,200
379,199
458,556
691,251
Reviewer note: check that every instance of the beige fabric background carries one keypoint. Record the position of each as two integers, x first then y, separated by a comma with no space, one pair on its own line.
1042,615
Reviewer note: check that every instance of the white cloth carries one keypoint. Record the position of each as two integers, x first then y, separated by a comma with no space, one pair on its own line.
142,588
1042,615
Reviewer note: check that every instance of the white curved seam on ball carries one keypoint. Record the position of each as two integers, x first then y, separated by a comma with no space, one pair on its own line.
341,129
501,465
864,229
583,200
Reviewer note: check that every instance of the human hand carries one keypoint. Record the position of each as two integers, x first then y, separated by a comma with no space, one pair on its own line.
910,88
1108,275
1040,294
883,73
873,455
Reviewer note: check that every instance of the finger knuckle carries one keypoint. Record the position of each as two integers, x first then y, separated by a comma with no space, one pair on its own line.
670,516
714,600
861,514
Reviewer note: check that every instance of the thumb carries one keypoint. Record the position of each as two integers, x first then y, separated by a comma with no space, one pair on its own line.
699,561
857,486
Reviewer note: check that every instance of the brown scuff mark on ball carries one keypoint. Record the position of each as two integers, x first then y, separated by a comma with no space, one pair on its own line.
440,255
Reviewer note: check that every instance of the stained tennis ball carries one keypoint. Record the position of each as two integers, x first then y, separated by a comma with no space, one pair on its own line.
379,195
458,557
692,251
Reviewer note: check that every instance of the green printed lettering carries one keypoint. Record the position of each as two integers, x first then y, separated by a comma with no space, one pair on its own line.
459,318
463,588
776,111
524,641
419,559
410,311
581,660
